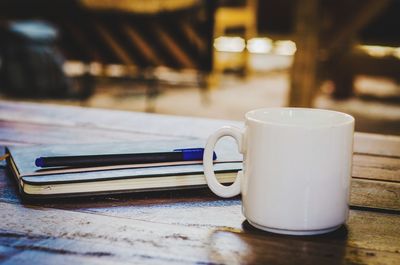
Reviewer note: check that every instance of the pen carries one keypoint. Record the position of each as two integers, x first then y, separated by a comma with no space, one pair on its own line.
187,154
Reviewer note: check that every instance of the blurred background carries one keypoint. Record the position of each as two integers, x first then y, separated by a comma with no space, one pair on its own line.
205,58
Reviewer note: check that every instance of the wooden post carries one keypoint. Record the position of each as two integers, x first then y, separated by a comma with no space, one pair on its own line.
304,70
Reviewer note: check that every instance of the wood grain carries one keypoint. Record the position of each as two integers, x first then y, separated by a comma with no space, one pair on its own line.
32,133
376,167
377,144
188,127
149,124
180,227
375,194
121,240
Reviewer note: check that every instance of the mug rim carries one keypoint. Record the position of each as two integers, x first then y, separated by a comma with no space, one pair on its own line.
349,118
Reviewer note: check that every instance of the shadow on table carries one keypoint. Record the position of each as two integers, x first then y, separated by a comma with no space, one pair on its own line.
253,246
339,234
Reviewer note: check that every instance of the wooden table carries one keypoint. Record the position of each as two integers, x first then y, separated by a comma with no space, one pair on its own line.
174,227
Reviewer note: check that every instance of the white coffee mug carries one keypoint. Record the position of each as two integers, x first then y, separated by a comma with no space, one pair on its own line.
296,169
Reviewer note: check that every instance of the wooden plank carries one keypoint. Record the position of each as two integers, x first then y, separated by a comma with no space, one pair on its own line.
377,144
145,123
375,194
376,167
367,238
49,256
194,208
376,173
27,133
120,238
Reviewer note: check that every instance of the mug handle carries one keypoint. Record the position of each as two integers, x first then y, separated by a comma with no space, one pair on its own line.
213,184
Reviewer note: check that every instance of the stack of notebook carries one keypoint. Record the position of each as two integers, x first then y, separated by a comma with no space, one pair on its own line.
36,182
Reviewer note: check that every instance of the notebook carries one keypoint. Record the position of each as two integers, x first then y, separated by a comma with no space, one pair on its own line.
41,183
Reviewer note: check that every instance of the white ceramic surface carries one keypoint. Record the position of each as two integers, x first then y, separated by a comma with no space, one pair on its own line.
296,169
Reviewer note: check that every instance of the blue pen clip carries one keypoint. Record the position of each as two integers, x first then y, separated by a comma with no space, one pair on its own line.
193,153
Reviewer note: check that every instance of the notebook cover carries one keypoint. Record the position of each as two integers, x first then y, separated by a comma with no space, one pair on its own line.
23,158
